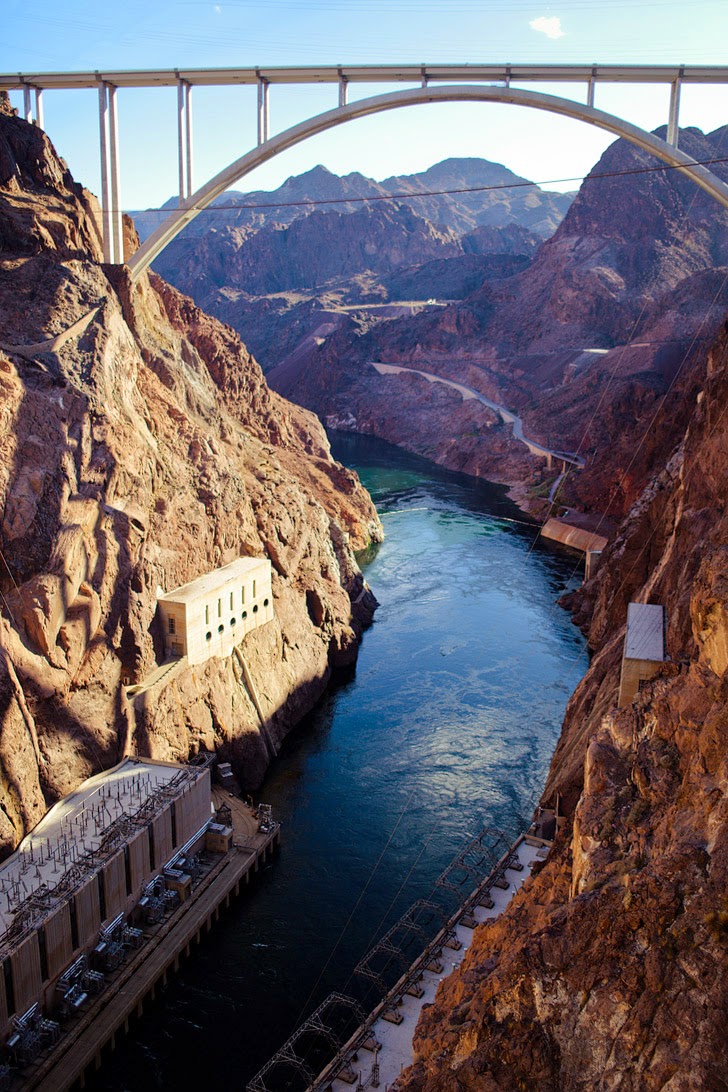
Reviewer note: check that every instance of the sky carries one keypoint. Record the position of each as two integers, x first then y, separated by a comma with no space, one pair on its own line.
79,35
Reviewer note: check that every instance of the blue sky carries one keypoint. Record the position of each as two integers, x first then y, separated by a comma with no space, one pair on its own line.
197,33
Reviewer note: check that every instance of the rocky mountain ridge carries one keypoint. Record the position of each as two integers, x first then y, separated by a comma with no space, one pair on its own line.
498,197
253,255
307,253
137,453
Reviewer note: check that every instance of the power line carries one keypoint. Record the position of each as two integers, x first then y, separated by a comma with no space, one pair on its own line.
523,184
362,893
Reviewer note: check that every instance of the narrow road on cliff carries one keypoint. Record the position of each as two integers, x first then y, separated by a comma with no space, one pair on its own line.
506,415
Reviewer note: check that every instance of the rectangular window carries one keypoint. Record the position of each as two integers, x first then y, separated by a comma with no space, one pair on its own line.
43,950
127,870
231,601
207,616
242,595
174,825
253,589
219,608
102,895
9,989
74,924
171,624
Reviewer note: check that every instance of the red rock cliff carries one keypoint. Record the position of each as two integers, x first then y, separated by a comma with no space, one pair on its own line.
139,451
609,969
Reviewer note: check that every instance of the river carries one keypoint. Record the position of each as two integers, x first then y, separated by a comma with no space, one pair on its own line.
448,723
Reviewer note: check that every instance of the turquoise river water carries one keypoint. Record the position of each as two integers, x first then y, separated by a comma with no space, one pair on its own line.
448,723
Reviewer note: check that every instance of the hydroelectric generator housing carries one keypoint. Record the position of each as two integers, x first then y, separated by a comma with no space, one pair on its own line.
79,882
211,615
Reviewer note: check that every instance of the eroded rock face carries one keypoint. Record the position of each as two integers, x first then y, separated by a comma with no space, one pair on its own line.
608,971
136,456
309,252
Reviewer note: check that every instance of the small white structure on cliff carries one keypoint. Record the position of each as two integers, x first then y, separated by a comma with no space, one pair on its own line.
211,615
644,648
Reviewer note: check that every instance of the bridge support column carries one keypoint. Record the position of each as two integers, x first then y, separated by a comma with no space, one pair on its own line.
110,186
28,105
672,124
590,90
105,171
181,141
104,148
549,460
184,139
117,225
263,111
188,133
343,89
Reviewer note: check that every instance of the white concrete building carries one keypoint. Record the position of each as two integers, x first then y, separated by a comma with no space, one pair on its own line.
212,614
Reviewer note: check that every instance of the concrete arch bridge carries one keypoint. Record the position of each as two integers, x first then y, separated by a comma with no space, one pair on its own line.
433,83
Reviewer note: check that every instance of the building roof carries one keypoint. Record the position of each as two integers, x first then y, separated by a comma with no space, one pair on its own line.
208,583
77,834
645,638
570,535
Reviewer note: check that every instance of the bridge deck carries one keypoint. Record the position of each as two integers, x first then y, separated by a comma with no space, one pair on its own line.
407,73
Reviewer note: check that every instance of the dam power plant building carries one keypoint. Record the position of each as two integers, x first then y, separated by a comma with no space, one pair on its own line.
211,615
84,870
100,899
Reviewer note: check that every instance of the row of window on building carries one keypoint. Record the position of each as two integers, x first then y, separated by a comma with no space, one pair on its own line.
210,615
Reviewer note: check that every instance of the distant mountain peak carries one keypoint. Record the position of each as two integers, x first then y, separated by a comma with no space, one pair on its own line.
319,171
532,208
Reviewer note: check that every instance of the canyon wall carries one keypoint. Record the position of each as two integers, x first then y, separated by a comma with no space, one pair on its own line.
608,971
139,448
585,343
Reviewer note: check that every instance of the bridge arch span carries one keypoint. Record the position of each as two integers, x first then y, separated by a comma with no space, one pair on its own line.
222,181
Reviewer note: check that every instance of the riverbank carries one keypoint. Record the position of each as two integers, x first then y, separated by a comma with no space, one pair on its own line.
508,417
465,431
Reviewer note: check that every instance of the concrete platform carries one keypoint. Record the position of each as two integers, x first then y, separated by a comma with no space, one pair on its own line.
396,1039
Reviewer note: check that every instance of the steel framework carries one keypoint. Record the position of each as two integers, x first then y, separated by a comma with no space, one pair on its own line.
318,1024
484,859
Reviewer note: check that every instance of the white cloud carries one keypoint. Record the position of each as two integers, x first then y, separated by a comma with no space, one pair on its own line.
217,9
548,25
